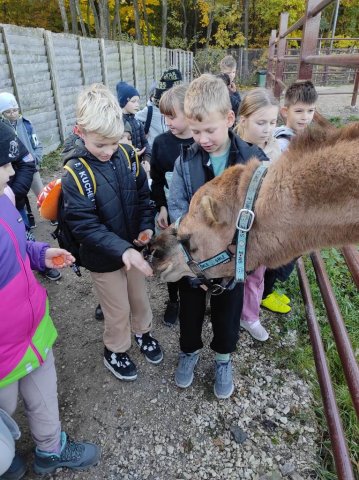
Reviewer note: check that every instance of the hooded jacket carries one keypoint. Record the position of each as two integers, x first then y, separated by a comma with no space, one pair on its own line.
193,169
26,329
106,228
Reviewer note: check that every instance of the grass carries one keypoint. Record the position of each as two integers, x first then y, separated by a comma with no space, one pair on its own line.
51,162
301,359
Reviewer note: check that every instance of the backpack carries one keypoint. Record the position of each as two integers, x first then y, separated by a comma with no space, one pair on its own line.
86,183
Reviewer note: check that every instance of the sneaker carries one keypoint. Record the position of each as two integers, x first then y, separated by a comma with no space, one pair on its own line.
272,303
120,365
74,455
16,470
281,297
54,223
185,368
52,274
150,347
171,313
99,313
223,385
256,329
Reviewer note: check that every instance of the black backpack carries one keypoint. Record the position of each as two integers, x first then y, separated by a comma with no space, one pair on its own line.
86,183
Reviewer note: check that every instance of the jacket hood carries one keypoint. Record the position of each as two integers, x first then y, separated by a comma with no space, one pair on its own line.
283,131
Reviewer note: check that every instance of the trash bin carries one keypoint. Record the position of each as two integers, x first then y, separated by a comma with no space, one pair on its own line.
261,78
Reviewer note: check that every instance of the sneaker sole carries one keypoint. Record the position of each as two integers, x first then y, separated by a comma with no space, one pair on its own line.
118,375
253,336
169,324
154,362
53,279
43,470
274,311
223,397
190,382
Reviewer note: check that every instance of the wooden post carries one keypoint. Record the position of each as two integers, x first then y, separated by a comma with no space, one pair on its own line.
134,64
155,60
355,89
103,61
55,87
82,61
120,58
283,25
271,52
11,66
309,40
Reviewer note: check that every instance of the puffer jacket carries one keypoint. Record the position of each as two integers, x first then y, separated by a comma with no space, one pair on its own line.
139,139
26,329
193,169
106,228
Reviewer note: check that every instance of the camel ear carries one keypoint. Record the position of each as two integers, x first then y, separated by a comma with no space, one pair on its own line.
210,209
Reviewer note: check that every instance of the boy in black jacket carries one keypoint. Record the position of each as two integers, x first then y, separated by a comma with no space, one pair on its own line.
110,227
209,115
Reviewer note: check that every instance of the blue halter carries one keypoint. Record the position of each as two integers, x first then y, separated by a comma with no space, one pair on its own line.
244,223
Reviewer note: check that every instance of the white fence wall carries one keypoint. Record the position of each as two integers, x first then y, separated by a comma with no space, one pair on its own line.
46,70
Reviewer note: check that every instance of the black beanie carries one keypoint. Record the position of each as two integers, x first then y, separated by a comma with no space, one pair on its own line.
125,92
169,79
10,149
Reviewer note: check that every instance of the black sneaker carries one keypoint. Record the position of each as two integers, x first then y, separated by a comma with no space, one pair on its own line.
150,347
171,313
99,313
120,365
52,274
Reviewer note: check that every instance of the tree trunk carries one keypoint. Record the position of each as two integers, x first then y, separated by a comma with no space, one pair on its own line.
164,23
246,29
137,22
210,24
74,26
96,17
195,26
81,20
149,42
104,17
185,20
117,21
63,15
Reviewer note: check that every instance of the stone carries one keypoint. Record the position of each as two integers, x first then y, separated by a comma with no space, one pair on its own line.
238,434
287,469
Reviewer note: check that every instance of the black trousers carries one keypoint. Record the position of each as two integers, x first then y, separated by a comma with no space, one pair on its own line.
172,288
226,310
281,274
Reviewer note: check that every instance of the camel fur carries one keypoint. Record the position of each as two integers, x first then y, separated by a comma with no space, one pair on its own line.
309,200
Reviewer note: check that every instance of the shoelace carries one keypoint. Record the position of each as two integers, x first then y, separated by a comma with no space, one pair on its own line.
120,359
72,451
187,360
148,343
222,371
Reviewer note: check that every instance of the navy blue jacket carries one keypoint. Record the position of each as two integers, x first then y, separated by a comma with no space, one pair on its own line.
139,139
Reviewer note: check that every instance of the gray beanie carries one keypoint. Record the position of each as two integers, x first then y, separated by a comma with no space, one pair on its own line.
7,101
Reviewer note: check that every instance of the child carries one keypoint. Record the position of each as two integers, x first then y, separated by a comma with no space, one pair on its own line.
166,148
151,117
27,335
9,110
258,118
209,115
129,100
110,228
298,112
228,66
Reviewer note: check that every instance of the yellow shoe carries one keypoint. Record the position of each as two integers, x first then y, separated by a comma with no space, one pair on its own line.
281,297
272,303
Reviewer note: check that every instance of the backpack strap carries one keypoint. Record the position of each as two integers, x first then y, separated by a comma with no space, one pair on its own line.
148,119
132,158
84,178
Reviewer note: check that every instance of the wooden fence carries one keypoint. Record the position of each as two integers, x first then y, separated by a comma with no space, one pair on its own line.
46,70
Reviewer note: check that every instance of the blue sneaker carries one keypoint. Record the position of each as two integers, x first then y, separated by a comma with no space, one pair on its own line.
185,368
16,470
74,455
223,385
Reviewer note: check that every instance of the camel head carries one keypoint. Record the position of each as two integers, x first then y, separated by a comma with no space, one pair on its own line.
206,230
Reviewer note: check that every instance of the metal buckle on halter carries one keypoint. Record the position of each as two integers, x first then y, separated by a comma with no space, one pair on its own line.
217,289
245,211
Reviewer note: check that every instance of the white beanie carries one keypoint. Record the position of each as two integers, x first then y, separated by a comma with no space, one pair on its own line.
7,101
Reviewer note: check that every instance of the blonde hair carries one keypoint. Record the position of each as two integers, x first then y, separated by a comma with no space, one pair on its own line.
254,100
174,97
228,62
98,111
205,95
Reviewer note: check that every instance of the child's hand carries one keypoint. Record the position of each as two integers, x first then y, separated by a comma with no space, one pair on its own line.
143,238
140,152
162,219
133,258
58,258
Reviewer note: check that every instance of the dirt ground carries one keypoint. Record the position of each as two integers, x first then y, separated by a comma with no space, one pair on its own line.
151,430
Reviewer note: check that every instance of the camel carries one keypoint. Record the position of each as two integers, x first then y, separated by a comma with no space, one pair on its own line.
308,200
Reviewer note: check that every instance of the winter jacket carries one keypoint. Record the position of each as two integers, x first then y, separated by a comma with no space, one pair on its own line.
235,99
26,329
106,228
157,125
283,135
139,139
193,169
26,133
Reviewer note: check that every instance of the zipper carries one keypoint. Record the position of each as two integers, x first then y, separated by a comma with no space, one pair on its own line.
22,265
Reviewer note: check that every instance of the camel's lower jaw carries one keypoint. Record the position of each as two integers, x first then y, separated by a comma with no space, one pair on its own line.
171,275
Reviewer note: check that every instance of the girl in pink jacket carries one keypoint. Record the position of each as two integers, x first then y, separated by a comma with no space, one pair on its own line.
27,334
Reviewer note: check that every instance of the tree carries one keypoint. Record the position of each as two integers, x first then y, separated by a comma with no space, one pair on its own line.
63,15
164,23
137,21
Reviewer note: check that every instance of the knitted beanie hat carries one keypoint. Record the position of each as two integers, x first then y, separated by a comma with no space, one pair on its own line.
9,145
125,92
7,101
169,79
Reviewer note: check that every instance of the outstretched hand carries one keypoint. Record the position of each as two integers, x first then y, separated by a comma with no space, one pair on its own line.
133,258
143,238
58,258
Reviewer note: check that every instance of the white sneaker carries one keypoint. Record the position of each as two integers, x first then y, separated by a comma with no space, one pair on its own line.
256,330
